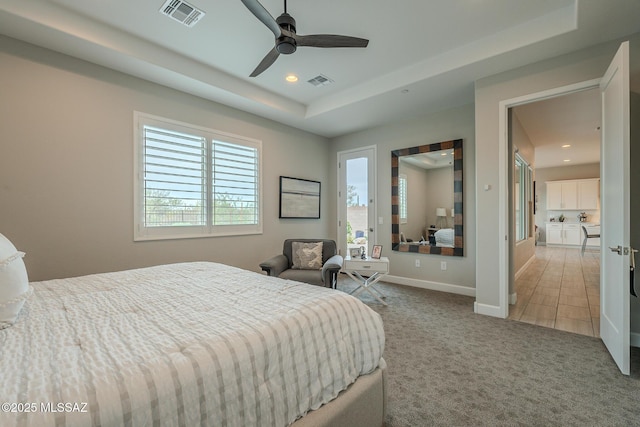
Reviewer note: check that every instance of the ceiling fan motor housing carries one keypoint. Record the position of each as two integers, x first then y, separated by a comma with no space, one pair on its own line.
287,22
284,44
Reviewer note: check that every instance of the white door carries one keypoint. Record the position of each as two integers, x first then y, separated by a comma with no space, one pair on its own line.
356,199
615,232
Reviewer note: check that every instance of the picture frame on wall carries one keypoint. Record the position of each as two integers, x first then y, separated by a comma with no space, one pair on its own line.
299,198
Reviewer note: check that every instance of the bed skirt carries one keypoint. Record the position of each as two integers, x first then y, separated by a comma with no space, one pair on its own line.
363,404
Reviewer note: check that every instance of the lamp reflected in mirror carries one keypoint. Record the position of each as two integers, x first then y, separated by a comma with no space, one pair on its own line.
441,218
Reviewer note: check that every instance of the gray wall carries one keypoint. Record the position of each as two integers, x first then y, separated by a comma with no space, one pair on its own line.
446,125
66,167
439,194
522,251
427,190
416,201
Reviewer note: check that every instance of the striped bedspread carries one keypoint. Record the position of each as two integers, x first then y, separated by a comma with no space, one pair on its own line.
182,345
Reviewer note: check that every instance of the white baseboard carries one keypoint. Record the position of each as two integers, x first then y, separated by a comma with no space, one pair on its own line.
487,310
524,267
434,286
634,339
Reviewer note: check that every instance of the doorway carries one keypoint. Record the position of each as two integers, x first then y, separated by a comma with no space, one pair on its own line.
356,199
556,142
616,214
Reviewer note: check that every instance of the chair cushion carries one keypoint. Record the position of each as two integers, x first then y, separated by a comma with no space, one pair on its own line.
313,277
306,256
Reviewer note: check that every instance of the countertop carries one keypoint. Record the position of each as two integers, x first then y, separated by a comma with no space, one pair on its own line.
592,224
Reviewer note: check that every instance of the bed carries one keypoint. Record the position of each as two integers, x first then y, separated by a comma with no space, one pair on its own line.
445,237
191,344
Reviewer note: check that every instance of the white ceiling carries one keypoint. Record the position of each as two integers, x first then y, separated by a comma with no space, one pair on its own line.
423,56
566,120
432,160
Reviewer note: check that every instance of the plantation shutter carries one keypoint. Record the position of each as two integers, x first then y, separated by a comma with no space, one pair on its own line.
235,184
174,178
402,196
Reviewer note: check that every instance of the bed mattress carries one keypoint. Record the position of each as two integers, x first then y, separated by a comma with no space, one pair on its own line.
182,344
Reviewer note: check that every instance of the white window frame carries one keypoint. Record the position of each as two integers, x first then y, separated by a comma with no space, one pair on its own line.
522,197
142,232
402,197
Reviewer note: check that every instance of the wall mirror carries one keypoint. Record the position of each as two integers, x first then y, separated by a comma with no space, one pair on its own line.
426,199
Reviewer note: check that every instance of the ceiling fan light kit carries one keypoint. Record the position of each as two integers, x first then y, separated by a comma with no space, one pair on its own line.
287,41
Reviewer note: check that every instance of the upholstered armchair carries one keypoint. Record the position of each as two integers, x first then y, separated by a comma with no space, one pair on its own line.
314,261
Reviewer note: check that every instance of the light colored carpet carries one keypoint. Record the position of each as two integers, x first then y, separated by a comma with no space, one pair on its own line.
448,366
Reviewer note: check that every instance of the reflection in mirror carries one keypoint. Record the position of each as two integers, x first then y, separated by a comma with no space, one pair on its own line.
426,205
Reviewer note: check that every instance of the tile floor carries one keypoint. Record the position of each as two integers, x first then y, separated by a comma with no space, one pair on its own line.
560,290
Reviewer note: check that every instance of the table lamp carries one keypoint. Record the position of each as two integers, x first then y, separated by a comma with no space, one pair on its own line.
441,214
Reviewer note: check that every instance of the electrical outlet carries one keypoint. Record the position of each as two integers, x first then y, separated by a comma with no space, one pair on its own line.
417,263
443,265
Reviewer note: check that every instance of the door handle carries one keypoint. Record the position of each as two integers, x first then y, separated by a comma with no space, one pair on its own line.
617,249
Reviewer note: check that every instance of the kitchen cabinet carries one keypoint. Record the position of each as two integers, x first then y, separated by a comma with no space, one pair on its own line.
562,195
562,233
589,194
581,194
572,234
554,233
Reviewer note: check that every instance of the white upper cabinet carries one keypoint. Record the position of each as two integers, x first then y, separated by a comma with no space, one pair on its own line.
573,195
589,194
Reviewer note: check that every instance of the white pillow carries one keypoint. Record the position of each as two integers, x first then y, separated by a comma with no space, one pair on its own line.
14,284
307,256
445,237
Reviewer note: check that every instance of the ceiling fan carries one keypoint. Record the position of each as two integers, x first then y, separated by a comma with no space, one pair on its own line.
284,28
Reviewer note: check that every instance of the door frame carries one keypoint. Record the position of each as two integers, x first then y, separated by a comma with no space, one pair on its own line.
373,194
503,175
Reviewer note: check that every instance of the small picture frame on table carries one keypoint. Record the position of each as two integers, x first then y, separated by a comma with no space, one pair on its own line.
354,252
376,252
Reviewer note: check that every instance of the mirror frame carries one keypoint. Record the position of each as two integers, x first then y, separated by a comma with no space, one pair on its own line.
458,220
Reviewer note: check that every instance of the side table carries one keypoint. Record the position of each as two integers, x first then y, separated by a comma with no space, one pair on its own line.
375,269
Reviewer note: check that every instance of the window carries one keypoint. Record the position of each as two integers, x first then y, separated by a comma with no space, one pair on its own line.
194,182
402,197
522,197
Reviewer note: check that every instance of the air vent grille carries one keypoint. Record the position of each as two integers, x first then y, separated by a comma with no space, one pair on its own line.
182,12
320,80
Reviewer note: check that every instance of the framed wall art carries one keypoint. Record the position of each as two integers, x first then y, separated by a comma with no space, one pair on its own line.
299,198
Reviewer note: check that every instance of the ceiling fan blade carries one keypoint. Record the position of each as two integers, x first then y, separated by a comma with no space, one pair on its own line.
266,62
263,15
330,40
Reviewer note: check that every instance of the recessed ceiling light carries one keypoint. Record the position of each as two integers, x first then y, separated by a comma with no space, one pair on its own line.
443,154
291,78
566,160
566,146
